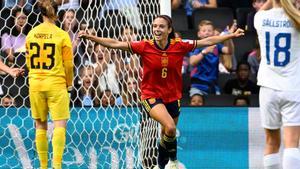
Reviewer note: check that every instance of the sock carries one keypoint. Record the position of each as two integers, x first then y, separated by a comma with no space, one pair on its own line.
58,144
163,156
171,146
272,161
291,158
41,142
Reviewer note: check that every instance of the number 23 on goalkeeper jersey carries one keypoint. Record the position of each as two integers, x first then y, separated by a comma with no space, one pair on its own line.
49,52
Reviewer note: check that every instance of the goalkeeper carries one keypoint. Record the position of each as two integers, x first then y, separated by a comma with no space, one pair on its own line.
49,61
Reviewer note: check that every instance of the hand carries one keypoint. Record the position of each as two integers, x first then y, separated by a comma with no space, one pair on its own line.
82,34
233,27
16,72
239,32
196,4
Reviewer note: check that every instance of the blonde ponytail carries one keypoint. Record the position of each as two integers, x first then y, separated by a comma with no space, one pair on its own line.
49,9
292,12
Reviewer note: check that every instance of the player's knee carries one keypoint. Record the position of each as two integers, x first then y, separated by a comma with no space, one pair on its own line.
41,124
170,129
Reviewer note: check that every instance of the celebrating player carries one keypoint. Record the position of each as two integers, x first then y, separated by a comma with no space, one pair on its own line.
278,75
49,60
161,86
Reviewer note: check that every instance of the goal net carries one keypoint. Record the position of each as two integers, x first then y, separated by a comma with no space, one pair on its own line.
107,128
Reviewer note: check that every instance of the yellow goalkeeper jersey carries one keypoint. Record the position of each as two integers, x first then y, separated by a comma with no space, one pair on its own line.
49,58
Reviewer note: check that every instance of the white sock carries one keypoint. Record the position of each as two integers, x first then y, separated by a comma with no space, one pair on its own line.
291,158
272,161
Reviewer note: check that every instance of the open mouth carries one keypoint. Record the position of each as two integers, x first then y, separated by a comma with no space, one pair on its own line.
87,82
157,34
100,57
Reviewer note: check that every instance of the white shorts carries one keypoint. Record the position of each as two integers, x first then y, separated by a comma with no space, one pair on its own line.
279,107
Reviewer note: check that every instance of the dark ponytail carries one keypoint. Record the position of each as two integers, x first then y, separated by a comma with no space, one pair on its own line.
170,25
49,9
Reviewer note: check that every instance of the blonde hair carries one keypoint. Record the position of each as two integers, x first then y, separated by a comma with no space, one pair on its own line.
226,59
292,12
85,68
48,8
206,22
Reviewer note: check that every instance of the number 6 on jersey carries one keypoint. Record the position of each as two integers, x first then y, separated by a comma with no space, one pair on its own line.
164,72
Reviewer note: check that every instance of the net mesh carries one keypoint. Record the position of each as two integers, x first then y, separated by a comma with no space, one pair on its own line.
106,129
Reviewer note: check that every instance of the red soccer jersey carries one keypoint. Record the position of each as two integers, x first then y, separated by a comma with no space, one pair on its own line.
162,76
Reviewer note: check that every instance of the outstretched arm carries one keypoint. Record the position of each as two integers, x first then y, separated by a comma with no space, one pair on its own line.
107,42
217,39
14,72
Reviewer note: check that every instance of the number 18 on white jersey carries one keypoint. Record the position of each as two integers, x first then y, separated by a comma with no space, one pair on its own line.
280,50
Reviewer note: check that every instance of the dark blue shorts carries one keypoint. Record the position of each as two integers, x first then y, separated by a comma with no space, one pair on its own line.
172,107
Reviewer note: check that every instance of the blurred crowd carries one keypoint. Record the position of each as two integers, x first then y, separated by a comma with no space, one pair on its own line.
106,77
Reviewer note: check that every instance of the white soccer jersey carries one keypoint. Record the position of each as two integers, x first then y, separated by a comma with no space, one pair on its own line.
280,50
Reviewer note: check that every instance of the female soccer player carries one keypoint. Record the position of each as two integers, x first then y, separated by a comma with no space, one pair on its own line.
161,86
49,60
278,75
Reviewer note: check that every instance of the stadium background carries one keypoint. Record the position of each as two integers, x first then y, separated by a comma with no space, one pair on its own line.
215,136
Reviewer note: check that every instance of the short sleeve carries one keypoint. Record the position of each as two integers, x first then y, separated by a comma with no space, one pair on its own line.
257,18
137,46
188,45
195,52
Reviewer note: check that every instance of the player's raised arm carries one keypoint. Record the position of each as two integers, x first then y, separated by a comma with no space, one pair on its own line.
107,42
267,5
217,39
